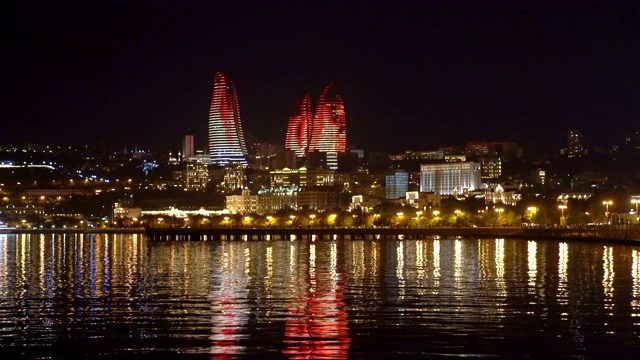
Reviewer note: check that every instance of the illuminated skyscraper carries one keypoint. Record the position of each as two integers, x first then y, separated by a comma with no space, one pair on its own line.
187,147
226,141
328,131
396,184
298,130
575,147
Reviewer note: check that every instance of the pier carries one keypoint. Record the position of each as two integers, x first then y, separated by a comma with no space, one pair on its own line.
603,233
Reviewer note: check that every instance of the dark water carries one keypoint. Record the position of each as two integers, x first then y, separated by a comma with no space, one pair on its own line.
119,296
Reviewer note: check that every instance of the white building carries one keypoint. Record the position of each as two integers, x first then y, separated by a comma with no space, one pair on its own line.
450,178
242,204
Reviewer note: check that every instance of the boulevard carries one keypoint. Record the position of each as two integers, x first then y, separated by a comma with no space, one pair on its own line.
603,233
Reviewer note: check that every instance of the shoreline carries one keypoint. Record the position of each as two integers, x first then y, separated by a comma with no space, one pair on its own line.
605,234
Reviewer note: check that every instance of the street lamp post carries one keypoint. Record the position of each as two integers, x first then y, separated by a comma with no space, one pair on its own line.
563,221
499,211
607,203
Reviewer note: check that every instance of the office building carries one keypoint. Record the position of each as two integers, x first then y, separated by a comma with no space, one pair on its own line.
491,168
396,184
575,144
188,149
197,176
450,178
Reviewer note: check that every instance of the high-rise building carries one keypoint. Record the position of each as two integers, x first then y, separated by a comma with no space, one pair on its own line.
491,167
187,147
235,176
575,146
196,176
328,131
226,140
321,131
299,128
450,178
397,184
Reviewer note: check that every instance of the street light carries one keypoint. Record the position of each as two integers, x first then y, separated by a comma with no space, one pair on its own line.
499,211
563,221
607,203
562,207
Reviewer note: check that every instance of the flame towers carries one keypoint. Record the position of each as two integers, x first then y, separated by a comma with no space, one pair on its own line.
328,133
299,128
325,131
226,141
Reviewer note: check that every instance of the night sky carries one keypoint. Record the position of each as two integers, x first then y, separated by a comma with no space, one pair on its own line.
413,74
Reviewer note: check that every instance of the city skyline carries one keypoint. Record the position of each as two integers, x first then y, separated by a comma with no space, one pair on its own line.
413,75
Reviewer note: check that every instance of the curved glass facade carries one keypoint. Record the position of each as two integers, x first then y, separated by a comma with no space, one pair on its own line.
298,130
226,140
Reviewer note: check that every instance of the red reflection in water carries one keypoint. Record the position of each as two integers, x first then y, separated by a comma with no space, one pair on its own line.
228,320
316,326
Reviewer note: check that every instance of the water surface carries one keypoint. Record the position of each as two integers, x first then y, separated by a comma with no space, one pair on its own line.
114,296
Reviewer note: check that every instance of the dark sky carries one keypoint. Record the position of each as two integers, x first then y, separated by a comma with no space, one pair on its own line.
413,74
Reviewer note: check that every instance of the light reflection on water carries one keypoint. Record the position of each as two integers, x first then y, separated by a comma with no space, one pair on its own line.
119,295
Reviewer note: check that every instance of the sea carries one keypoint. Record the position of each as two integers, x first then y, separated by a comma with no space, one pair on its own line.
103,296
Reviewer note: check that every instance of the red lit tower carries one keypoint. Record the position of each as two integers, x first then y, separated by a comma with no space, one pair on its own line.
226,141
298,130
328,132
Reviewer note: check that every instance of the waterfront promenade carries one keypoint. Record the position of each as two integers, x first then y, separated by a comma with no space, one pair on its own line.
625,233
78,231
604,233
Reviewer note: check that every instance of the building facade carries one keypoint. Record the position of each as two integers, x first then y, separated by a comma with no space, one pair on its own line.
450,178
244,203
575,144
299,128
197,176
301,178
226,140
319,199
188,149
328,132
491,168
396,184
